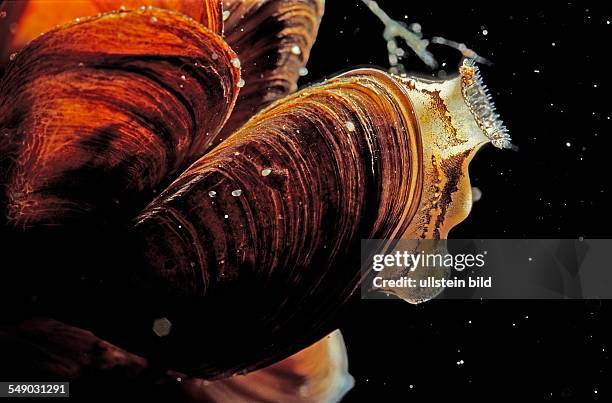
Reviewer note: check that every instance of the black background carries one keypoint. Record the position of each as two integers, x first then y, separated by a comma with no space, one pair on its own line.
551,86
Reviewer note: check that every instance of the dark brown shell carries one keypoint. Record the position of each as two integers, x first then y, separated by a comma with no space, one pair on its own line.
98,114
51,350
272,39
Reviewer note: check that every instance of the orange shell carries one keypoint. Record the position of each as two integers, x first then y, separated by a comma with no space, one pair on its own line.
98,114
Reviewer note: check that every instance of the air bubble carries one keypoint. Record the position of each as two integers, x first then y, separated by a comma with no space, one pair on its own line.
162,327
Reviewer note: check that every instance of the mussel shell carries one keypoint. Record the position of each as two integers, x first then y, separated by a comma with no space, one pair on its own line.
54,351
26,19
273,39
253,249
97,115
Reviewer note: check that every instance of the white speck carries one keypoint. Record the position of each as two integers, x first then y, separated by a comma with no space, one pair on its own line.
236,62
303,71
608,22
553,44
226,15
526,316
226,216
536,71
514,324
595,391
295,49
266,171
568,144
212,193
162,327
594,85
530,259
411,386
183,77
460,362
12,56
2,14
485,32
179,379
240,83
236,192
469,322
350,126
153,19
77,20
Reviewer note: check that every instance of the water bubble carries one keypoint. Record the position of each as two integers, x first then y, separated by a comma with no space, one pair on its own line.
226,15
236,62
12,56
236,192
303,71
214,56
295,49
350,126
241,83
266,171
162,327
212,193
